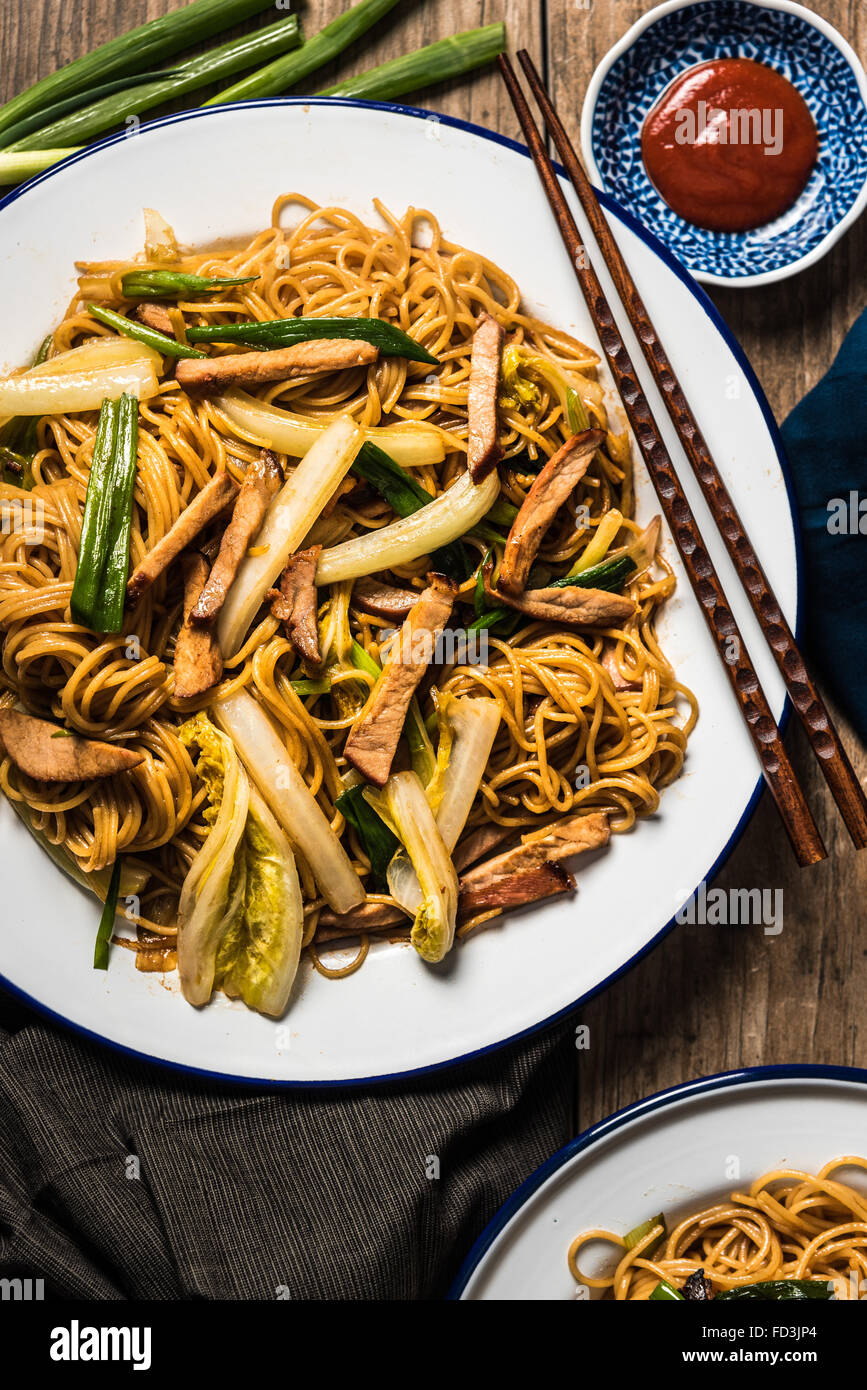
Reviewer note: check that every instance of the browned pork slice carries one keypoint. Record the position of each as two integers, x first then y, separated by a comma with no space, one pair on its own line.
198,660
514,888
373,741
572,605
276,364
49,753
156,316
383,600
294,603
483,451
261,481
213,498
551,489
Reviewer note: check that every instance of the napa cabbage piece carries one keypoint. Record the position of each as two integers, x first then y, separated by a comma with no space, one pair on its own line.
289,798
213,890
82,378
240,917
413,444
521,369
258,957
444,519
405,809
289,517
468,728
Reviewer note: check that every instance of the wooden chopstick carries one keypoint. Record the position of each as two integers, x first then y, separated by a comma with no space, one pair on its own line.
824,739
776,767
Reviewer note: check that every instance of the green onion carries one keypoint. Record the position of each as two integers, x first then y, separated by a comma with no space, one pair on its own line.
223,61
405,496
488,533
401,491
321,48
631,1239
159,341
610,575
502,513
132,52
377,840
103,557
61,108
15,168
312,687
274,333
106,921
168,284
502,620
778,1290
109,614
362,661
438,62
666,1293
576,412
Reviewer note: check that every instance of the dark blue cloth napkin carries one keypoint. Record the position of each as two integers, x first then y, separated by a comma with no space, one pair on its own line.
826,441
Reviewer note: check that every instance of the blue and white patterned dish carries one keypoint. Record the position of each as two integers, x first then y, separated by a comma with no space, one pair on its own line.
805,49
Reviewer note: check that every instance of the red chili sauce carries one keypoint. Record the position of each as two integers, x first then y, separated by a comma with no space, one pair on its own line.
730,144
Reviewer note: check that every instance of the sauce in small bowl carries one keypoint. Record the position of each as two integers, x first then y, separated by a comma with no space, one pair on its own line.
732,215
730,144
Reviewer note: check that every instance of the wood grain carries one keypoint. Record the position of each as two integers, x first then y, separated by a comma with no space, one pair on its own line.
707,998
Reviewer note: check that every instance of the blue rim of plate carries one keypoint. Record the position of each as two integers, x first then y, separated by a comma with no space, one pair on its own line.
822,66
419,113
685,1090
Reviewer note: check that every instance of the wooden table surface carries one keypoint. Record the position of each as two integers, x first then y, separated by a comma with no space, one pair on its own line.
706,999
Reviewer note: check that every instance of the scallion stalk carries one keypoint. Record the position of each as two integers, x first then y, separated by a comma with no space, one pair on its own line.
665,1293
142,334
171,284
112,595
223,61
377,840
132,52
26,164
276,78
103,555
437,62
610,575
106,921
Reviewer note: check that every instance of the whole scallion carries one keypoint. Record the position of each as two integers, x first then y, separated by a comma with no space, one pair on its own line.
223,61
437,62
276,78
134,51
47,115
160,342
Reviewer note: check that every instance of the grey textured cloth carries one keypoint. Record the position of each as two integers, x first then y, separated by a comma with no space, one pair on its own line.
121,1180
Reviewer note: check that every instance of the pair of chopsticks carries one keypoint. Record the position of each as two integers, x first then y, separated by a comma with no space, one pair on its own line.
824,739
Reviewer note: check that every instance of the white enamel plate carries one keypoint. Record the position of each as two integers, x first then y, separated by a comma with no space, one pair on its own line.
216,174
676,1152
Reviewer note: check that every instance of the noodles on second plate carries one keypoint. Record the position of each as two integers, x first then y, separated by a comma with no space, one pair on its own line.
789,1225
